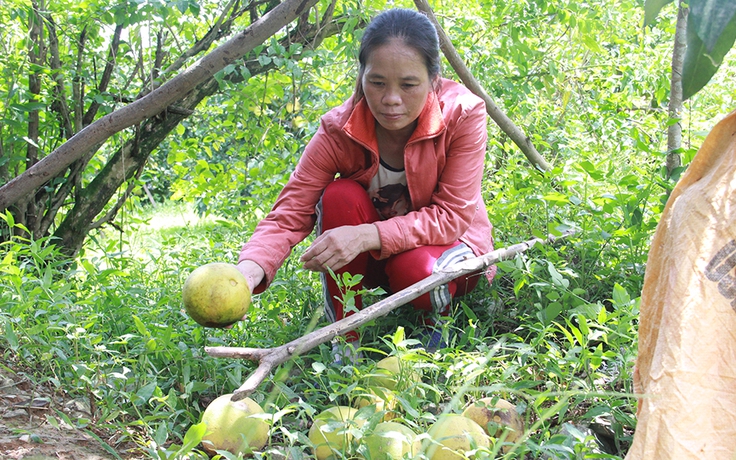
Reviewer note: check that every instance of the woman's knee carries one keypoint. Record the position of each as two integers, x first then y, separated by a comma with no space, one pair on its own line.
340,190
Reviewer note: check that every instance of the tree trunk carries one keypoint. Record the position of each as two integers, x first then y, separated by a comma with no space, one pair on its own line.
674,129
151,104
128,161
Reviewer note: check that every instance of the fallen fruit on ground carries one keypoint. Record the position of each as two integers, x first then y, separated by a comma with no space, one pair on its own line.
216,295
330,432
234,426
452,435
394,373
383,398
391,440
498,417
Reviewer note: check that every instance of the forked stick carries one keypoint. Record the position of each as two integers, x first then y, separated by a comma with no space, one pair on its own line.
269,358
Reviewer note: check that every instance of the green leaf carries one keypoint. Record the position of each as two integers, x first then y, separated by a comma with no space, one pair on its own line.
193,437
652,8
700,65
621,296
10,336
709,19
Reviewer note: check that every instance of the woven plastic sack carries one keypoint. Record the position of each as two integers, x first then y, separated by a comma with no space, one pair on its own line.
685,372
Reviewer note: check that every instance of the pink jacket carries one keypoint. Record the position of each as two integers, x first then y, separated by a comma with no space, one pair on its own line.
443,160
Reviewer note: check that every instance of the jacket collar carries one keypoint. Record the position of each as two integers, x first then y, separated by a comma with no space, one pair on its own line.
361,125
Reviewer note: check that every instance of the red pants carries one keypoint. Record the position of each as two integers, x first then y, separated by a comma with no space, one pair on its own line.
345,202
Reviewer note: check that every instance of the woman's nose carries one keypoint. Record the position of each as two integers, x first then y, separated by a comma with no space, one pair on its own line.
391,97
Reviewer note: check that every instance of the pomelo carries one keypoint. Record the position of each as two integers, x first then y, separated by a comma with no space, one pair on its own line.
383,398
497,416
452,435
231,426
394,373
216,295
391,440
330,431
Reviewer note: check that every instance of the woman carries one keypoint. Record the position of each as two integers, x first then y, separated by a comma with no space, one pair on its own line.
392,178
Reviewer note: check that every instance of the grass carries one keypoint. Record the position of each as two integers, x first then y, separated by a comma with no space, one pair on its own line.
110,328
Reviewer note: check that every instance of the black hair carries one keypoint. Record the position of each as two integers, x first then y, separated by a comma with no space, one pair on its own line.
413,28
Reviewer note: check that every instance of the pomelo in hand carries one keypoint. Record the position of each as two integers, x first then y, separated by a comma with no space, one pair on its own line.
330,431
391,440
234,426
452,435
498,418
216,295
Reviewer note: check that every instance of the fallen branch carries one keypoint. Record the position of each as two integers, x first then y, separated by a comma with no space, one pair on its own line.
269,358
502,120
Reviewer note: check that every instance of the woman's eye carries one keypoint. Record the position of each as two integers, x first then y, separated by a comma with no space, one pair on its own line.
409,85
377,83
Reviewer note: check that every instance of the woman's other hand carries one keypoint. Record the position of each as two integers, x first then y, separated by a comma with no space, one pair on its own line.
337,247
253,273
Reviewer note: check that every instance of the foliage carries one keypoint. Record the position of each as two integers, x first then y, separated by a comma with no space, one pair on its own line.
556,331
711,31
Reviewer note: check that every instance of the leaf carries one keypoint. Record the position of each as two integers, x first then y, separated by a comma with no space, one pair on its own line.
10,336
621,296
700,65
709,19
193,437
652,8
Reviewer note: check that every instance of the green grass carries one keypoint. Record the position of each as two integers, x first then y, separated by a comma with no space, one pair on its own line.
557,341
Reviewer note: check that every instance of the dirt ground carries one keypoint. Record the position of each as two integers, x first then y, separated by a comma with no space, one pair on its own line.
32,429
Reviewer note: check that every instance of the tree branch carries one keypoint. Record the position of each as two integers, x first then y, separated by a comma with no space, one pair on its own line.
674,129
151,104
269,358
106,75
59,88
77,89
502,120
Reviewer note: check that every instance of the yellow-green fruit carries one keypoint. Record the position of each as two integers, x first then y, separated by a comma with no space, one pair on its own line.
330,431
216,295
452,435
233,426
391,440
497,416
383,398
392,373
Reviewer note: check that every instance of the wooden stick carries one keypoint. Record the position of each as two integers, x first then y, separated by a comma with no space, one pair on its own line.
502,120
269,358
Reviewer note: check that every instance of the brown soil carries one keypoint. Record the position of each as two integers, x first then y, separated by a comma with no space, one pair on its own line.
32,428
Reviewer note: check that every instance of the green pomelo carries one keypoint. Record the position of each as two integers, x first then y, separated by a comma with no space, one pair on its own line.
216,295
383,399
394,373
232,426
392,440
330,431
452,435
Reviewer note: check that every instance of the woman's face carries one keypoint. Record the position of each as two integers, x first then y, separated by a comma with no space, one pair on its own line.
396,84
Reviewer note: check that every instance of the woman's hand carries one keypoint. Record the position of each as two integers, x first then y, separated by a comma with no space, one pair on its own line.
253,273
337,247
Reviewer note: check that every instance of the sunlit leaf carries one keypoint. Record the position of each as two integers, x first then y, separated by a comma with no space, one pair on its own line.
652,8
